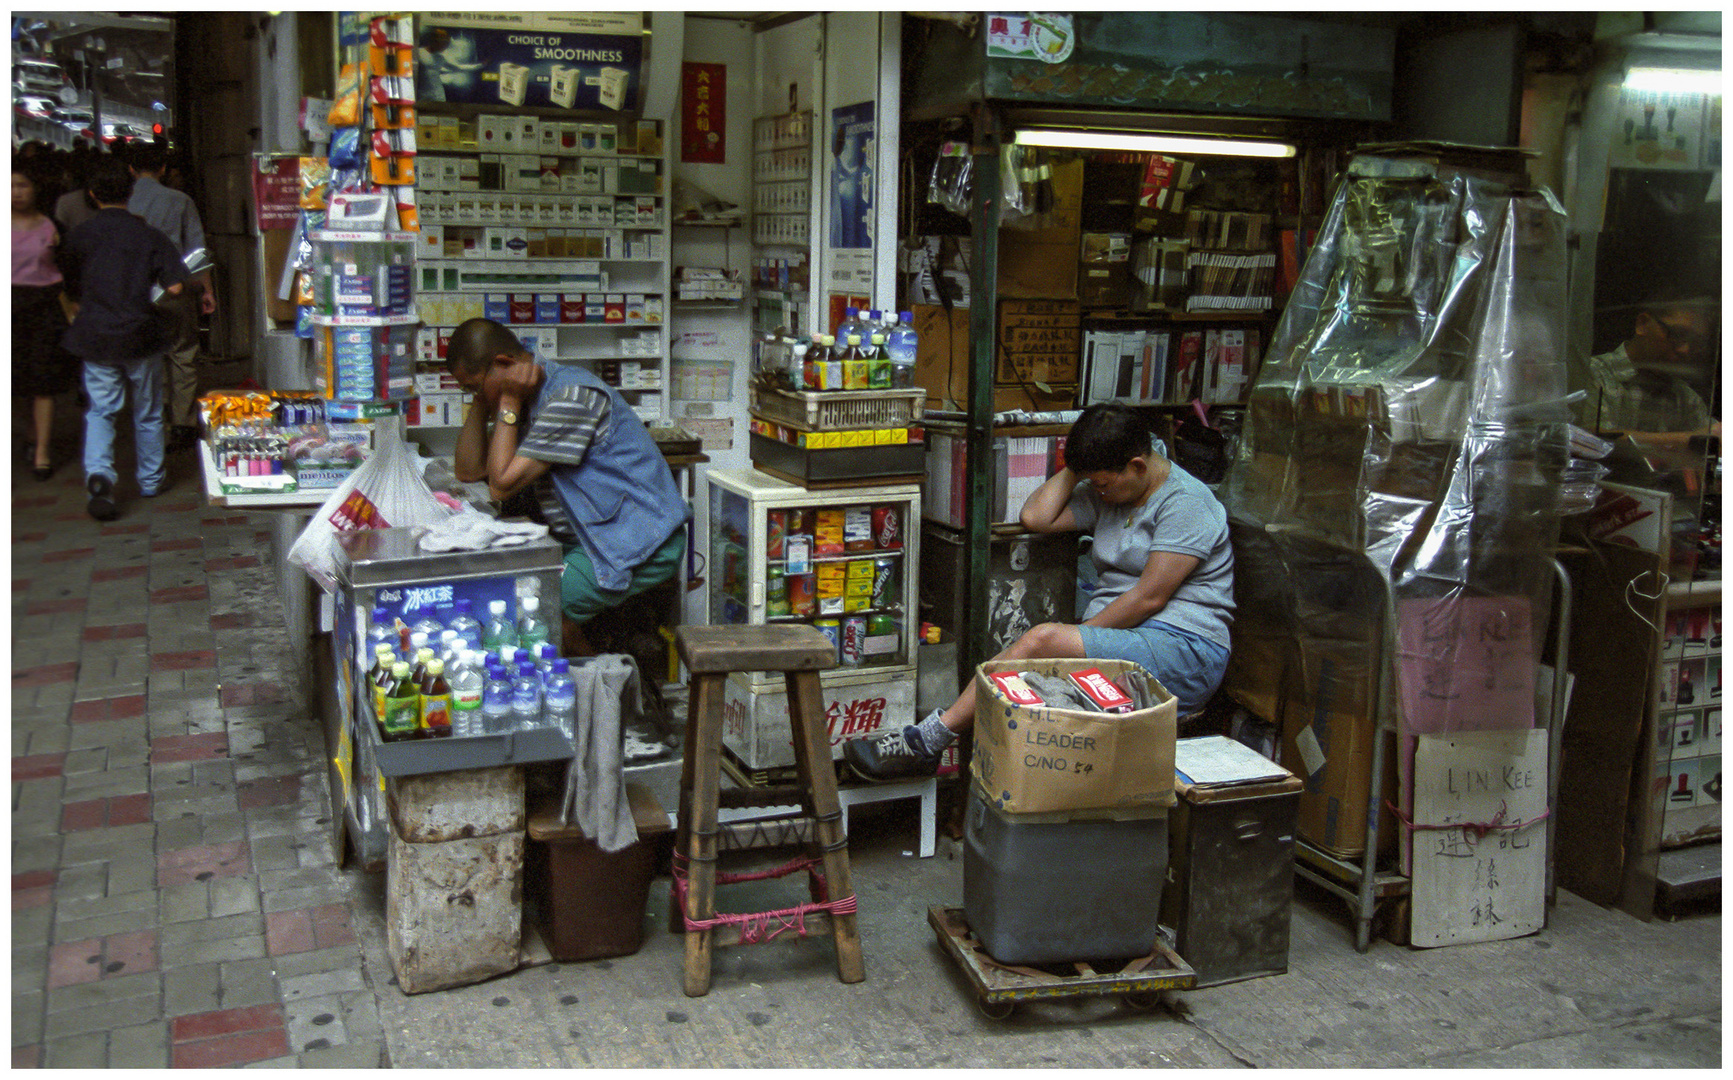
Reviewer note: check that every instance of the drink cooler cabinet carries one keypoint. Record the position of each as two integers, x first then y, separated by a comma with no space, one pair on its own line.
385,568
859,700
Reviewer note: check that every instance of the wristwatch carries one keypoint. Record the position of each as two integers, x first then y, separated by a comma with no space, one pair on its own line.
506,416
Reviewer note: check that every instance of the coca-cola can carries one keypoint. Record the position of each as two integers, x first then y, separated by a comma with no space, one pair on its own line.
887,527
854,632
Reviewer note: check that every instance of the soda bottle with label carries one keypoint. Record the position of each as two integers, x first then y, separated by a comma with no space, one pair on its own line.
854,365
435,720
402,703
379,677
878,364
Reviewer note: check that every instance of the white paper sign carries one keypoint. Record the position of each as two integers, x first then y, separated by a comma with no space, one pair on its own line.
1494,887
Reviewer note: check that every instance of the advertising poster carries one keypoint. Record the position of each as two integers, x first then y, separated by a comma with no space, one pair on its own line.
1024,35
704,113
852,150
562,60
277,192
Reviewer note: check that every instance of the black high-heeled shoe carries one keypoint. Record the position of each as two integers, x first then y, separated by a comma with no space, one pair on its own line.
42,472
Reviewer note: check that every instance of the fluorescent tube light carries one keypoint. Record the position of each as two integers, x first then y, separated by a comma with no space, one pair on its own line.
1159,144
1673,80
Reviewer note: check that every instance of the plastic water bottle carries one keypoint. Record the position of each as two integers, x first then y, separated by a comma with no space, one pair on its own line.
561,708
532,629
851,324
546,654
428,624
463,620
902,343
381,632
449,643
499,629
526,697
496,701
467,687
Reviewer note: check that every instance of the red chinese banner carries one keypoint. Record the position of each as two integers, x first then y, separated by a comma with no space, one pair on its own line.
704,113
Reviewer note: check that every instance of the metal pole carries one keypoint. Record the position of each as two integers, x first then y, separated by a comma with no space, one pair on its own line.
984,288
1556,723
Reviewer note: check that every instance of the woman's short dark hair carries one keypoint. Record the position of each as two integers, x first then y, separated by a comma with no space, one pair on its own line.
1105,438
110,182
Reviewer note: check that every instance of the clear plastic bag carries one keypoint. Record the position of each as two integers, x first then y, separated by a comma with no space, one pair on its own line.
953,172
386,491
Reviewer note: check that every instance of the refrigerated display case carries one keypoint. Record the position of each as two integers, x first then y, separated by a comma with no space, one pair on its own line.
846,561
383,572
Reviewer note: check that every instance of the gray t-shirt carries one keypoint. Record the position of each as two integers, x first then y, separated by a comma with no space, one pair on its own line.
1183,516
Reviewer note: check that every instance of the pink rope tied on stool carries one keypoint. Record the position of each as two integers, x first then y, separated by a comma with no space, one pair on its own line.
1475,831
755,926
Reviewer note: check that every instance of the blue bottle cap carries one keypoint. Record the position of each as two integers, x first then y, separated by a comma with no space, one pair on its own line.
561,665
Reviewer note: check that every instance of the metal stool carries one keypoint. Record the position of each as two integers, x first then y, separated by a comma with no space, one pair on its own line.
800,652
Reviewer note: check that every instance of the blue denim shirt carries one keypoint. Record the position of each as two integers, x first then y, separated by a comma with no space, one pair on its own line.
622,499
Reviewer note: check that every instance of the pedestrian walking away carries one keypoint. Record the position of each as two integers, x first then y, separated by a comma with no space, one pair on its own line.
110,264
173,213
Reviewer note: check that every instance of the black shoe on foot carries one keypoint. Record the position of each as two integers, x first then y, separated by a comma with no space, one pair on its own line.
890,756
101,505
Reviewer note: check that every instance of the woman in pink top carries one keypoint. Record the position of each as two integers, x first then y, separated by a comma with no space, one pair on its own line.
40,367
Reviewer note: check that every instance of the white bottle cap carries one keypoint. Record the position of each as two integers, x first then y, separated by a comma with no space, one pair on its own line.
496,607
417,638
531,603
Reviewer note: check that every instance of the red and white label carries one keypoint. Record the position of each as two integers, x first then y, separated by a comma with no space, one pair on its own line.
1016,691
1101,690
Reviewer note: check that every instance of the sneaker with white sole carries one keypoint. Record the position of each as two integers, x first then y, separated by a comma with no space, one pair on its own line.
894,755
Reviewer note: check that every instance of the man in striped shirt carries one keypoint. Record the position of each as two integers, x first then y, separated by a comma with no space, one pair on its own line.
601,482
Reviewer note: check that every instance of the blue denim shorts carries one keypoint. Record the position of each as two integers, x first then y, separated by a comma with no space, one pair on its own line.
1189,666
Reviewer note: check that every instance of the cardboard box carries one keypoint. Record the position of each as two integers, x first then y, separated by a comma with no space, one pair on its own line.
1041,263
1042,760
1327,733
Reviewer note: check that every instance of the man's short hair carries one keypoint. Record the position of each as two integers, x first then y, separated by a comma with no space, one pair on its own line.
147,157
1105,438
110,182
475,343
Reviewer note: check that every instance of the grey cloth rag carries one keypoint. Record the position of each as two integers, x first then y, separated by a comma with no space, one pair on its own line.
608,690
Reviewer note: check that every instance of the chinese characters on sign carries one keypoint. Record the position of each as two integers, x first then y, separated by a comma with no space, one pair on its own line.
1474,884
703,113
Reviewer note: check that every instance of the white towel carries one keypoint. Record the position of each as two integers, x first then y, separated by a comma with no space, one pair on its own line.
473,530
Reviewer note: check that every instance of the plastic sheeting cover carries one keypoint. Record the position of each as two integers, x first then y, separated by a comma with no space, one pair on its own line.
1409,424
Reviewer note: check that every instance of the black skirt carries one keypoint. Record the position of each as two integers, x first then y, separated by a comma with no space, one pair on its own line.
40,366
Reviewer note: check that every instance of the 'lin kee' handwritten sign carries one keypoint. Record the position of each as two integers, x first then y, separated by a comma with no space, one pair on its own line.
1039,341
1490,887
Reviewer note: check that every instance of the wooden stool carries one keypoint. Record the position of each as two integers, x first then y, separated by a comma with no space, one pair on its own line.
800,652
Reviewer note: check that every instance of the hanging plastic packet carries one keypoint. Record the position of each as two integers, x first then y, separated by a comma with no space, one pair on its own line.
346,108
315,180
345,151
951,185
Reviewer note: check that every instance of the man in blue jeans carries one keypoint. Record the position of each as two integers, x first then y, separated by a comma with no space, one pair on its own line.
1166,593
110,263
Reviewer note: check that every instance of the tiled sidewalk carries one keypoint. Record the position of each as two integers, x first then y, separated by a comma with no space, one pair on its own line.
175,901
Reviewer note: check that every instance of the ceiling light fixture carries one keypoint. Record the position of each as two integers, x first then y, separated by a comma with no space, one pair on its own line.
1158,144
1673,80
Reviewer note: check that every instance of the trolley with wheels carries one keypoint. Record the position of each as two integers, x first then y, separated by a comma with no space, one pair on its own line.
999,987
